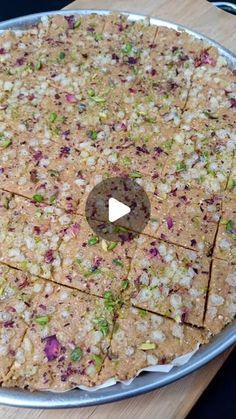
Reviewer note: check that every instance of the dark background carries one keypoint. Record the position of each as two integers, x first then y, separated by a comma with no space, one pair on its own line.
219,399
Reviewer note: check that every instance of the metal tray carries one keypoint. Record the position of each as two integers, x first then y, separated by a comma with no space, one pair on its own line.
146,381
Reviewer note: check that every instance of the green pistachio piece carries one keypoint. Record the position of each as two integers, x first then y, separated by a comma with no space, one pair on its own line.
76,354
38,198
5,142
146,346
93,240
42,320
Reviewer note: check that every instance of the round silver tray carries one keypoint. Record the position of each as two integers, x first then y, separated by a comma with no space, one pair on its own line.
146,381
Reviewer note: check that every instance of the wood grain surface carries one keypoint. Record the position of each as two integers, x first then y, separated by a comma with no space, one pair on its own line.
177,399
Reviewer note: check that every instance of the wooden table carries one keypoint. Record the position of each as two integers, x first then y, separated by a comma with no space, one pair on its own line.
177,399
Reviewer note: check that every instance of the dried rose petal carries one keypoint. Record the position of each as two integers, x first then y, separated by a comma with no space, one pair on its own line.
66,134
183,315
142,149
123,126
132,60
70,21
169,222
70,98
48,257
115,57
90,29
204,58
74,229
20,62
34,176
23,284
158,150
37,230
38,155
64,151
120,27
52,347
153,252
2,51
97,262
233,102
153,72
193,242
9,323
31,97
163,236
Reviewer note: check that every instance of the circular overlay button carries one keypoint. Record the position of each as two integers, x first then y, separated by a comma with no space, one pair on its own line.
117,209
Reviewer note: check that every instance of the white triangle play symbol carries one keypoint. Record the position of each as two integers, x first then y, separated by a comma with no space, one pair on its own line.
117,210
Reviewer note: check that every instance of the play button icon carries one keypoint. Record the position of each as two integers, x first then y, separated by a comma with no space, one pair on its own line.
117,209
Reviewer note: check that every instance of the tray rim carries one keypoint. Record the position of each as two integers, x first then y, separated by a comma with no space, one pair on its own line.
144,382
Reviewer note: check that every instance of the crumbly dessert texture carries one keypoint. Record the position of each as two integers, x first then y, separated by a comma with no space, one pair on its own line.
84,98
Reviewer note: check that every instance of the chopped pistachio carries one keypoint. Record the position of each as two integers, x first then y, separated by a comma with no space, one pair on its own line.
76,354
177,318
108,247
231,184
38,65
127,161
111,246
98,361
102,325
52,117
53,199
135,175
77,24
150,119
93,240
98,99
119,229
146,346
92,271
118,262
62,55
230,228
125,284
91,92
127,48
93,135
42,320
98,37
103,114
104,245
167,145
180,167
24,265
54,173
142,312
38,198
6,203
208,115
5,142
110,302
